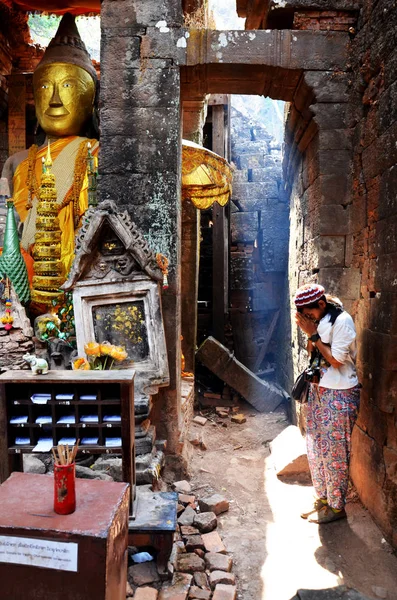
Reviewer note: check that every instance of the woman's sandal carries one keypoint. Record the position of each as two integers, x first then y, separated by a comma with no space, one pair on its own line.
327,515
317,505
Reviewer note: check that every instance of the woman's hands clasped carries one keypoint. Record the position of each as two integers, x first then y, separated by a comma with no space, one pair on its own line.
307,325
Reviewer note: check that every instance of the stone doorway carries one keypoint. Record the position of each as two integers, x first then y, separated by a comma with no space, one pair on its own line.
317,155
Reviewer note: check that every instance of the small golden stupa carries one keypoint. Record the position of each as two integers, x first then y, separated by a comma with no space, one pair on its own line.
48,276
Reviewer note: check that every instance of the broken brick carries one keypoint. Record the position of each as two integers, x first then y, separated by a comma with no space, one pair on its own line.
205,521
225,592
215,503
143,573
186,499
194,542
146,593
222,577
188,530
196,593
183,487
213,542
178,589
190,563
201,580
187,517
200,420
215,561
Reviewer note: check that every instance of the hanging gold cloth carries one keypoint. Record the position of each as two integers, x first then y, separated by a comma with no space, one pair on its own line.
206,176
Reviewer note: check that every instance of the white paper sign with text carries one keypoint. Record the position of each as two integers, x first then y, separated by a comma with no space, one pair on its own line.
38,553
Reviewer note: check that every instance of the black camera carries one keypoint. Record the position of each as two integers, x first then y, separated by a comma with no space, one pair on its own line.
313,374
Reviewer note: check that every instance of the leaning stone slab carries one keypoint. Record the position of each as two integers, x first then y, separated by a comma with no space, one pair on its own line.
262,395
289,456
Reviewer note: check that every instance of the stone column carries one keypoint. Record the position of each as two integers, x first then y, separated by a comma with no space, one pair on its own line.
140,158
194,115
220,234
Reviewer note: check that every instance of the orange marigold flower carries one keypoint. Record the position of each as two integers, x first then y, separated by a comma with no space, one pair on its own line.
92,349
106,348
81,364
118,353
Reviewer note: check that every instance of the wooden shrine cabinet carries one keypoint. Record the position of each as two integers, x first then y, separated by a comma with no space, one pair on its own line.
95,407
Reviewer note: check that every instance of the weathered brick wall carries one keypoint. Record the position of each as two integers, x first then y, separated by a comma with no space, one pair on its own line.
343,185
326,20
317,166
373,251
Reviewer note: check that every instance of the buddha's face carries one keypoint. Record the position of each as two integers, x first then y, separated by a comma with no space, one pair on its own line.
64,97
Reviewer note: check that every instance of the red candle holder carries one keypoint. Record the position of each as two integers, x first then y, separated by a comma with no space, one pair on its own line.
64,489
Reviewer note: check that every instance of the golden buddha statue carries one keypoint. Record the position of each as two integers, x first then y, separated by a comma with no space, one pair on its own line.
64,85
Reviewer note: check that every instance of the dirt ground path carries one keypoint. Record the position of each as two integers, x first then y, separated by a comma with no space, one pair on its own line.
275,551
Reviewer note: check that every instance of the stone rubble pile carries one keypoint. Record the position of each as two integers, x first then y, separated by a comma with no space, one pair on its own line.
106,467
199,566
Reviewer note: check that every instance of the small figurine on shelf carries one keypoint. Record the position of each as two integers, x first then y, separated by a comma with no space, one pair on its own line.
39,366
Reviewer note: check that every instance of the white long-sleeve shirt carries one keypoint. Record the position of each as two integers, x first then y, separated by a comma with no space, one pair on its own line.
341,336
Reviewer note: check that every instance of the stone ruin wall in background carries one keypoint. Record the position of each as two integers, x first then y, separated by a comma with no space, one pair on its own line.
259,237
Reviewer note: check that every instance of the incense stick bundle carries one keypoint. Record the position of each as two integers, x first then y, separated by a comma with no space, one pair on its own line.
63,456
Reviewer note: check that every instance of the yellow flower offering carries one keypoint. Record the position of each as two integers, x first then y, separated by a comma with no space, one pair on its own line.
100,356
81,364
92,349
106,348
118,353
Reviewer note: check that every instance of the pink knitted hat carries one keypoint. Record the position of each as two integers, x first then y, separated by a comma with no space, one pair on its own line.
309,293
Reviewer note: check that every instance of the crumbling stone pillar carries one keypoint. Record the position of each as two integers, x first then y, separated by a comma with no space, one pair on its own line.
139,161
194,115
189,284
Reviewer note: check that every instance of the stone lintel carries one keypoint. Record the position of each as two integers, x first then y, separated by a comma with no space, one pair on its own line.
309,50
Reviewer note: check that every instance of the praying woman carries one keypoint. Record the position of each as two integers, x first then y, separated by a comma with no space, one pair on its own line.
333,401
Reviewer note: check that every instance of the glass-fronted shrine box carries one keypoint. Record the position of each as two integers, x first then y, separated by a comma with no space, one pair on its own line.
38,412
